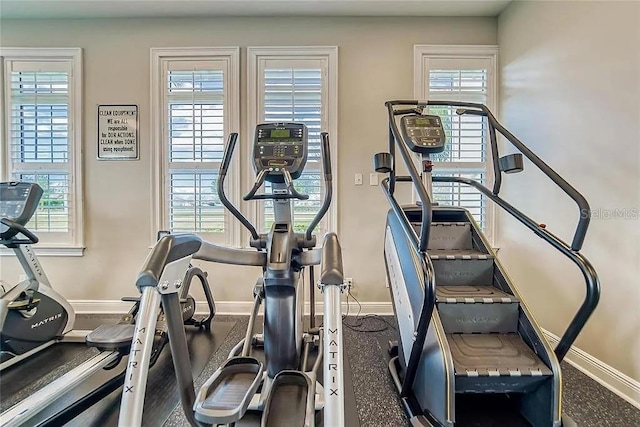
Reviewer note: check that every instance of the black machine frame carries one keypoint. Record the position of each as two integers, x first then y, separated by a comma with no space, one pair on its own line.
419,243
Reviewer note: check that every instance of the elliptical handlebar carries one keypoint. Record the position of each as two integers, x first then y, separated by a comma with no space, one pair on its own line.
224,166
7,237
328,187
292,193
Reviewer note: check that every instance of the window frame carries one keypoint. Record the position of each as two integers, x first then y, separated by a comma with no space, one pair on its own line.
421,55
159,152
74,245
256,54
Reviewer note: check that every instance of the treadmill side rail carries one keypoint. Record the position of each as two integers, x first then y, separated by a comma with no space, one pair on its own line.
28,408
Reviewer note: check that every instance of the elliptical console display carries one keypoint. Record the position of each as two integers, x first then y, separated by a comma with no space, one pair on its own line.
279,147
423,133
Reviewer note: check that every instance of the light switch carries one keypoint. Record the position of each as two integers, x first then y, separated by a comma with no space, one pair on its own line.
358,179
373,178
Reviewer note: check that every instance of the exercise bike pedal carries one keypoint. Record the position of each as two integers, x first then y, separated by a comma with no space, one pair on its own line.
290,400
199,322
130,299
225,397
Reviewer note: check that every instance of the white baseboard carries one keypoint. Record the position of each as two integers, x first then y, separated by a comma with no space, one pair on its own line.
620,384
223,307
614,380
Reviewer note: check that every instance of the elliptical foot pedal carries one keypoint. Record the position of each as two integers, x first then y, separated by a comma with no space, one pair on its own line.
225,397
290,401
111,337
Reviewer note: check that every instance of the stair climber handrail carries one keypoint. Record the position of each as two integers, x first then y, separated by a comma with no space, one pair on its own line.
482,110
591,278
425,198
429,301
571,251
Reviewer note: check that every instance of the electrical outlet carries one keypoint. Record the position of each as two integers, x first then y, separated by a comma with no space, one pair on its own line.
349,282
358,179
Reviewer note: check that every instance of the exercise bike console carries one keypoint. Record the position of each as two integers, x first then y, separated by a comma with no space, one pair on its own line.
18,203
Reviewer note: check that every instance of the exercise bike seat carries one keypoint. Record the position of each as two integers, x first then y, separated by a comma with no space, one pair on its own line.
111,337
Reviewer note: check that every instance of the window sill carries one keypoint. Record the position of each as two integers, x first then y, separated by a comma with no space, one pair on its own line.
57,251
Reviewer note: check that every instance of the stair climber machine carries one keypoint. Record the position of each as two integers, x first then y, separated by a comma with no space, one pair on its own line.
282,391
465,334
31,305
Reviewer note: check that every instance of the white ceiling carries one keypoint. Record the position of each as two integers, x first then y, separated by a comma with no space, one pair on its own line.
12,9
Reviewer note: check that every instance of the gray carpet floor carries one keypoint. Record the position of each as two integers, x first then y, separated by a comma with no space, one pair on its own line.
376,401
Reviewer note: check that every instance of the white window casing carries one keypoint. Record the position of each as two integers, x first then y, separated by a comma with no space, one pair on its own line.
42,128
297,84
468,74
195,106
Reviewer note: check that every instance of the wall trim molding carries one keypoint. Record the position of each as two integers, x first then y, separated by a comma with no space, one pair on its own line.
615,381
222,307
622,385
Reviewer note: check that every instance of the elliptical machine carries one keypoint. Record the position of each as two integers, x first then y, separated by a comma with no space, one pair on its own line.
28,305
33,316
464,332
283,390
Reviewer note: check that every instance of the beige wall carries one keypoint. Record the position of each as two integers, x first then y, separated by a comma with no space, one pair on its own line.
375,64
571,91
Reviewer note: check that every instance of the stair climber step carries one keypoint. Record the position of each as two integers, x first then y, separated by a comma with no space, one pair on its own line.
462,267
449,235
473,294
453,254
225,397
467,309
495,363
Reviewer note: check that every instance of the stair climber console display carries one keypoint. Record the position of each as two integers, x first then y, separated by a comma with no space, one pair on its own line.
280,387
33,317
463,330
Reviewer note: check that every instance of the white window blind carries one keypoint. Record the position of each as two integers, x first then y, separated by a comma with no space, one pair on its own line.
460,77
41,102
293,92
297,84
195,135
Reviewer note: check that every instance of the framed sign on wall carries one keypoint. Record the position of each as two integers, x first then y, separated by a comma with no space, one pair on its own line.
118,132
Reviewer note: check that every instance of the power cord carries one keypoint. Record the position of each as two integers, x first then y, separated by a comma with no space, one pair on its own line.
358,324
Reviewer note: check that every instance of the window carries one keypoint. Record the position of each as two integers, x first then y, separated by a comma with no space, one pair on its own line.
195,98
460,73
42,105
297,85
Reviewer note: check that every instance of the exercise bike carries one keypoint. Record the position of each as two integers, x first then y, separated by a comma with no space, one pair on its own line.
465,337
18,203
284,389
33,316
